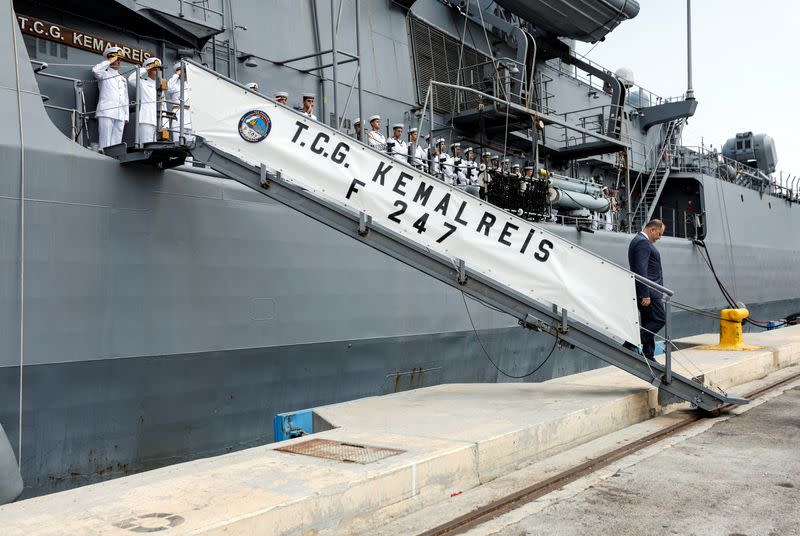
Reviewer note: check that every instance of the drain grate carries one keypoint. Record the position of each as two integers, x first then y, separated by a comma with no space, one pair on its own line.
343,452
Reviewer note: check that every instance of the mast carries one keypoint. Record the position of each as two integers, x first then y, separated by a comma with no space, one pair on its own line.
689,88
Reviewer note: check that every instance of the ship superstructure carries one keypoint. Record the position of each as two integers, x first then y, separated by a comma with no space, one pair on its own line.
153,316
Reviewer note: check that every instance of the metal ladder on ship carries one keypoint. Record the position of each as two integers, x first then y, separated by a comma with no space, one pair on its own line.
530,313
652,189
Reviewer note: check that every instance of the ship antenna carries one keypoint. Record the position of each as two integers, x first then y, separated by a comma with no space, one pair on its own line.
689,89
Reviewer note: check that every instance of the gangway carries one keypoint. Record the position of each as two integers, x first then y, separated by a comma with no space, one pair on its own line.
490,255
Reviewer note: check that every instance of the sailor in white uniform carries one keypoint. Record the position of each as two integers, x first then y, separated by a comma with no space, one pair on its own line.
484,173
147,98
281,97
174,104
308,106
446,164
459,166
395,146
375,139
357,129
417,155
112,106
471,171
434,152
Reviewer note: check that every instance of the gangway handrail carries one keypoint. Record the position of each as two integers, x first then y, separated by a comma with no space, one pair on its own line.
529,311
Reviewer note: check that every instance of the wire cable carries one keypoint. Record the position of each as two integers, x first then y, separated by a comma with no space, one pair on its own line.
486,353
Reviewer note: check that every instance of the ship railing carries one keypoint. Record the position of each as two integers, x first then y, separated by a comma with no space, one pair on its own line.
189,6
504,78
641,94
694,159
541,93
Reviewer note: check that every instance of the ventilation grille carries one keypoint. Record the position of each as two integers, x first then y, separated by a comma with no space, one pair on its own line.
436,57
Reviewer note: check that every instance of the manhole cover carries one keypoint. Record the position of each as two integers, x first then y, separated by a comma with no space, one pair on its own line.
337,450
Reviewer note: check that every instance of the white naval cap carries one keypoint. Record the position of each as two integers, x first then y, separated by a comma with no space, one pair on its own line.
506,160
468,150
308,96
456,144
515,165
283,94
413,129
115,51
440,140
252,85
398,125
177,65
528,168
152,63
374,117
487,153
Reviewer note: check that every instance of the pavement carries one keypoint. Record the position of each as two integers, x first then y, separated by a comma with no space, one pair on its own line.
447,440
739,478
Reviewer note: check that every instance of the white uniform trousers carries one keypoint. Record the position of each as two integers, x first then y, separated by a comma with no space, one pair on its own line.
147,133
187,125
110,131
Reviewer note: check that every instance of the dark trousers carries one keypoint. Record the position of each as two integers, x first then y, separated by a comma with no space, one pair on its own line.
652,319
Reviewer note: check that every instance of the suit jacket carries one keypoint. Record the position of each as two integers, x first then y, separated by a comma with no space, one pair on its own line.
645,260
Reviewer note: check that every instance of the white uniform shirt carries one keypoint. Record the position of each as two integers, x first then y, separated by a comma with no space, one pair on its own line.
146,96
376,140
472,172
113,102
400,150
446,165
419,156
309,115
459,170
174,92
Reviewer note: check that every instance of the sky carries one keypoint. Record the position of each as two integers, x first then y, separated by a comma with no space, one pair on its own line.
746,66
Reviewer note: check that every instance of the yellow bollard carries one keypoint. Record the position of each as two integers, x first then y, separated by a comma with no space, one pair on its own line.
730,331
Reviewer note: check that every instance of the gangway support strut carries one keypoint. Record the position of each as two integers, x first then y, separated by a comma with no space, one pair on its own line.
455,272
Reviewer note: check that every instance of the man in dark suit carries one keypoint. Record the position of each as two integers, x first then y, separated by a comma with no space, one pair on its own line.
645,260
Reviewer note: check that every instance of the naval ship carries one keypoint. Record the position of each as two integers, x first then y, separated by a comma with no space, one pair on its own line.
152,316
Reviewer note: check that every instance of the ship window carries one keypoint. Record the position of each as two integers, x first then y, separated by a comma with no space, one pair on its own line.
30,44
739,144
436,57
43,50
746,144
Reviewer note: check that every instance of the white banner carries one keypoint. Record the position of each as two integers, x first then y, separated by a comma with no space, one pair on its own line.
445,219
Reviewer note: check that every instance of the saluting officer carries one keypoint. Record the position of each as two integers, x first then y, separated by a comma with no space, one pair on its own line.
515,171
375,139
147,97
308,105
112,106
174,104
281,97
395,146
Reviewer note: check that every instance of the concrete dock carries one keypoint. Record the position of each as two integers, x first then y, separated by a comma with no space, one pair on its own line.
397,454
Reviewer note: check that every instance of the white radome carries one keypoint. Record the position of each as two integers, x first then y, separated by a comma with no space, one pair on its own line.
625,76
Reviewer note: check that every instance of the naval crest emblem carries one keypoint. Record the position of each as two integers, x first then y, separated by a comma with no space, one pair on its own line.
254,126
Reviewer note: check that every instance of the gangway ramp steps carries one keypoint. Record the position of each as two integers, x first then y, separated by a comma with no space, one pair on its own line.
348,173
